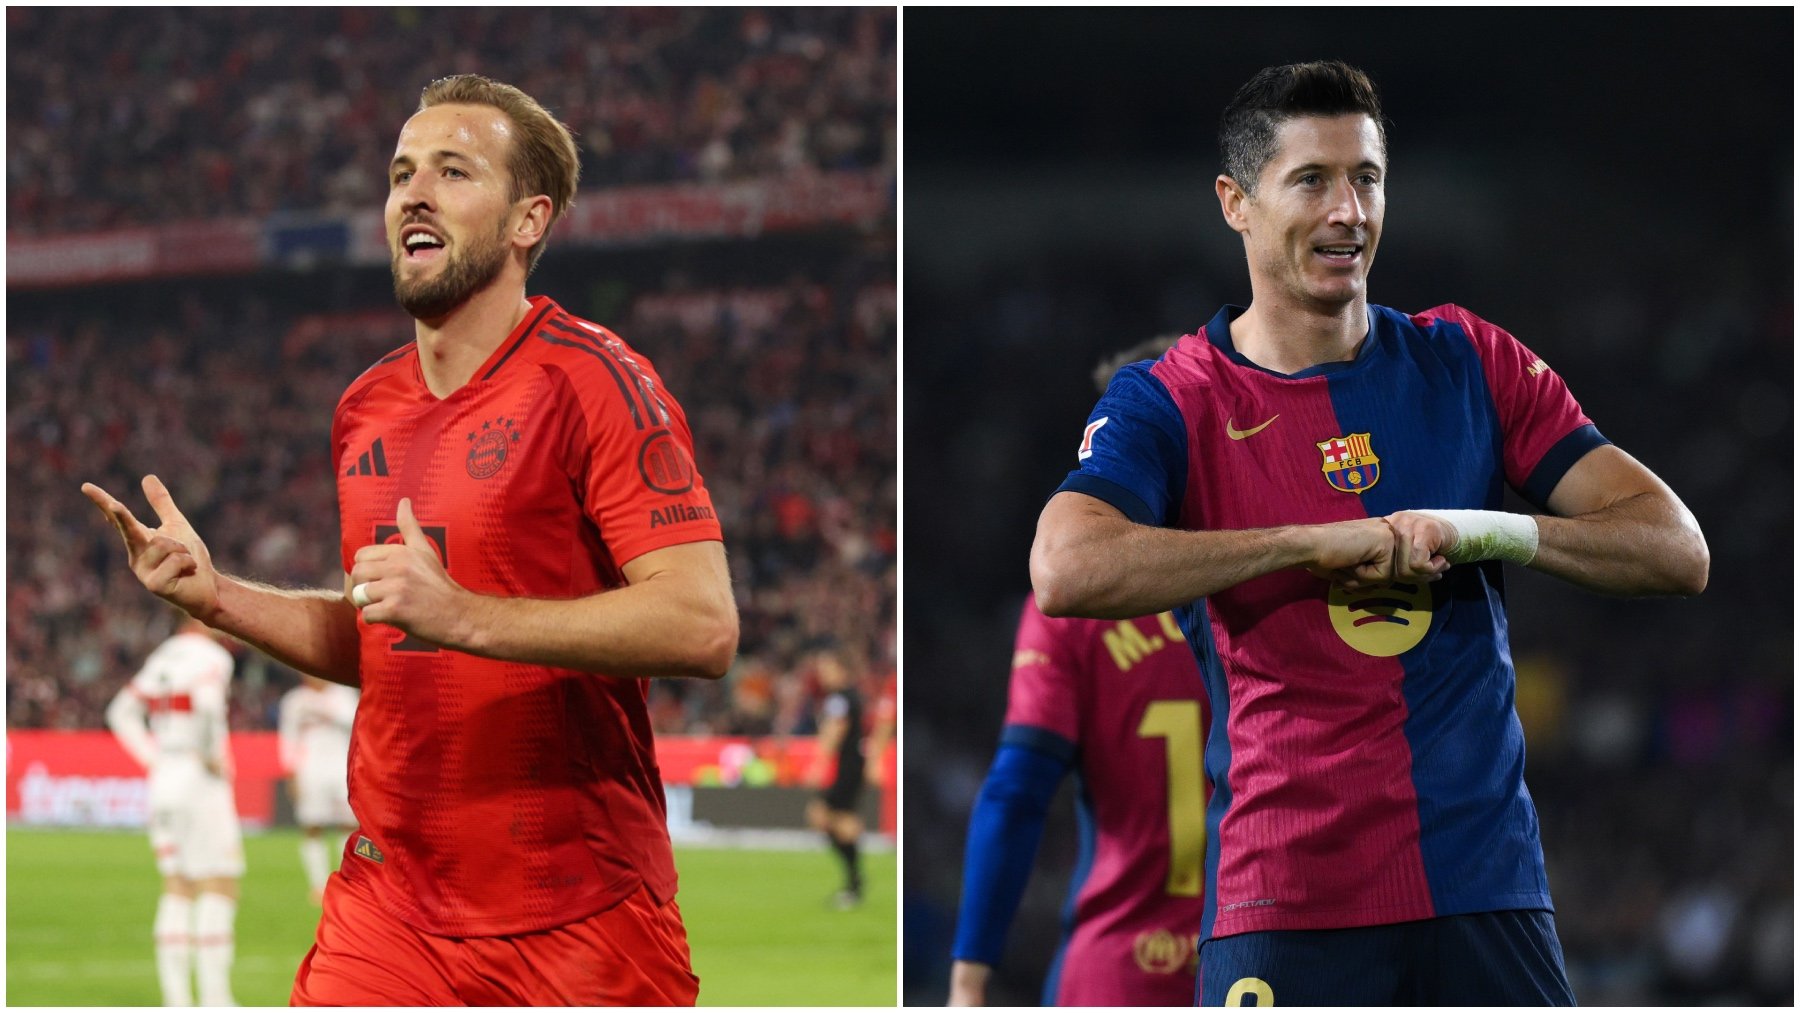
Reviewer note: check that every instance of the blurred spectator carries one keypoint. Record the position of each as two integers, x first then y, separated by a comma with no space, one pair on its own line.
222,112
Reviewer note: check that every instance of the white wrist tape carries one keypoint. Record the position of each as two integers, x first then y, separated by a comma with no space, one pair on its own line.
1489,534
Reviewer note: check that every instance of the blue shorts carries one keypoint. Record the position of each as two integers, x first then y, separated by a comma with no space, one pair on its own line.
1496,958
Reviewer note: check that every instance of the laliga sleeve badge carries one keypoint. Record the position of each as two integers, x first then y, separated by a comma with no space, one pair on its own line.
1087,438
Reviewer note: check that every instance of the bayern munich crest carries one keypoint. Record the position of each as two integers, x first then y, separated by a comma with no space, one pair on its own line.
489,445
1350,463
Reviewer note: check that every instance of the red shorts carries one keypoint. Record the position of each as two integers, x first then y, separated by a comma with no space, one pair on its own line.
634,953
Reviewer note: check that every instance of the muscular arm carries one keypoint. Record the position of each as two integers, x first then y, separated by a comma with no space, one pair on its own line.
313,631
1620,530
308,630
674,617
1091,560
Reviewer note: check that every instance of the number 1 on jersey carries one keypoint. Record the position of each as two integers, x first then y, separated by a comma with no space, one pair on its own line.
1177,723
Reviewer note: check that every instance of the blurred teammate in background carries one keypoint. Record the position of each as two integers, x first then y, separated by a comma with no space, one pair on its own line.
1121,704
834,812
313,731
171,717
1269,478
525,539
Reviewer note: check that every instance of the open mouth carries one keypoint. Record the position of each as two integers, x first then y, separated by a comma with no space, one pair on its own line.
1339,254
420,243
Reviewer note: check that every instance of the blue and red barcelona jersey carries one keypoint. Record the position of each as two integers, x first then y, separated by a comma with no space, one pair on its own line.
1366,762
1122,699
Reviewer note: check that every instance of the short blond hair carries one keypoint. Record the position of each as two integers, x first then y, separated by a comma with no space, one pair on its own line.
543,160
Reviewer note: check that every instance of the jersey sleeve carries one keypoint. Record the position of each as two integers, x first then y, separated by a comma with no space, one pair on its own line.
1005,829
637,472
1543,430
1133,452
1042,696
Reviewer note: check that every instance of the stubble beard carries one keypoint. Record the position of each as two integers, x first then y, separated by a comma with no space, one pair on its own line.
463,275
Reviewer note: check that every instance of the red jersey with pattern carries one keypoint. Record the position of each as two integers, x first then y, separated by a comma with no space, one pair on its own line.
496,797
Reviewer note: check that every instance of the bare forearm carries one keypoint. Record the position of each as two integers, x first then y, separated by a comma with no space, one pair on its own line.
1648,544
641,630
312,631
1099,565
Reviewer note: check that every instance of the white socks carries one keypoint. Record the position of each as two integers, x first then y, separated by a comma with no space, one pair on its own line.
214,945
174,949
313,860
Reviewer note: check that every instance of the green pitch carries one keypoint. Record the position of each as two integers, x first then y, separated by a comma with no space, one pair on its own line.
79,905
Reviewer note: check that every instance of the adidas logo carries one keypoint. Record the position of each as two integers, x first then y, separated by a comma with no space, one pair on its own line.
372,462
366,848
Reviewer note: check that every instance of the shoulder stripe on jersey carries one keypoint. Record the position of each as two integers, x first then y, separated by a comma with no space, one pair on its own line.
396,354
653,406
1557,461
530,326
1038,740
637,419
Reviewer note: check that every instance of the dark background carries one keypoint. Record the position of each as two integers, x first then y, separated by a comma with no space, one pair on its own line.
1615,189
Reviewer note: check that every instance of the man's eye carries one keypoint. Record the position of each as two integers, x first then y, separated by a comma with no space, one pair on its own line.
401,177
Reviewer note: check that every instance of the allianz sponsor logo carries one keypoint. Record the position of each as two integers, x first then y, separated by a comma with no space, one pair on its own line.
680,513
77,801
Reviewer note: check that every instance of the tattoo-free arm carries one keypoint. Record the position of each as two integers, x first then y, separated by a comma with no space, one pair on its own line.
1091,560
1620,530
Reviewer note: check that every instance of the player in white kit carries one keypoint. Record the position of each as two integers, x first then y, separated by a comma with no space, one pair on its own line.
171,718
314,730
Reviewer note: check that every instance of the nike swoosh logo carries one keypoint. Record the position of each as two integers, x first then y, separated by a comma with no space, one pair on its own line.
1240,434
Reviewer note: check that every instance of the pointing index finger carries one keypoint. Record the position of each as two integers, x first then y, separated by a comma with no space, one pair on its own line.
135,533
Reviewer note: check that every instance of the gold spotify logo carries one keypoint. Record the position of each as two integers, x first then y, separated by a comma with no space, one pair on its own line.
1381,621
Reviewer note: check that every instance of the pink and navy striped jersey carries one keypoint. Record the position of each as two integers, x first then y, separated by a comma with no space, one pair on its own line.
1366,761
1123,700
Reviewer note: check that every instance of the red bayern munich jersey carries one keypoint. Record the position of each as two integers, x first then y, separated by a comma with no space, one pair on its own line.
1129,700
495,797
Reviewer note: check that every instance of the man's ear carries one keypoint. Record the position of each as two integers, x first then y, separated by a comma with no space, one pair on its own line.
533,221
1231,203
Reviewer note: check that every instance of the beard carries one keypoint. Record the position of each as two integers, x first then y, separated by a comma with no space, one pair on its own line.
465,272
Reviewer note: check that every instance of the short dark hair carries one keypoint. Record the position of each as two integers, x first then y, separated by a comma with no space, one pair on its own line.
1277,94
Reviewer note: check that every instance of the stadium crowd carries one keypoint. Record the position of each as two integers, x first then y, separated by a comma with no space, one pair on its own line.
222,112
791,400
226,389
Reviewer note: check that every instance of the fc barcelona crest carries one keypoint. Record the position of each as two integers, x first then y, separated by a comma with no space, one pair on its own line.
1350,463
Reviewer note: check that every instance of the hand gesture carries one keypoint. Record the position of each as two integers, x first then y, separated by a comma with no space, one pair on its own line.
170,560
406,586
1356,554
1420,542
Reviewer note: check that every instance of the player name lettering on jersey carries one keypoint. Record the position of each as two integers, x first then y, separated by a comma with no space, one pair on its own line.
1128,645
